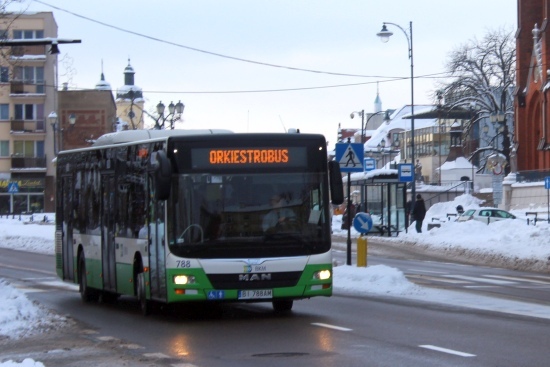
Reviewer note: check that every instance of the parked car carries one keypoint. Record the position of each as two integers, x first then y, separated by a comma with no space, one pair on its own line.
485,215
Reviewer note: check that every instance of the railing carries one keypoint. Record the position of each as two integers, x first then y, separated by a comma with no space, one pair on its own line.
20,87
27,126
17,51
456,189
532,176
28,162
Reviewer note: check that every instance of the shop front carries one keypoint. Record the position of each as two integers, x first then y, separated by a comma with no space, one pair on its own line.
22,195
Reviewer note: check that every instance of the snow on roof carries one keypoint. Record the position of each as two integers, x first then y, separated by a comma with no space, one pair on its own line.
397,121
459,163
137,135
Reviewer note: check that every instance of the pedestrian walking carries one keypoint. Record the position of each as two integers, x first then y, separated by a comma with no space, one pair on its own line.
419,212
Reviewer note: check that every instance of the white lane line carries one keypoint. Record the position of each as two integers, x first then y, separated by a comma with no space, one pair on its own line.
156,355
528,280
449,351
426,277
29,269
482,280
427,271
334,327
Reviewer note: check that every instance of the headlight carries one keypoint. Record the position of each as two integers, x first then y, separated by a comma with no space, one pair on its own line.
184,279
322,275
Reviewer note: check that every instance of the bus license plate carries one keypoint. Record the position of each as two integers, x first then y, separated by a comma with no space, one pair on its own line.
256,294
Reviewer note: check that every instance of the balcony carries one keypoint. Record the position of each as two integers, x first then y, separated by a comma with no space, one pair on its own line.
18,51
18,87
27,126
27,163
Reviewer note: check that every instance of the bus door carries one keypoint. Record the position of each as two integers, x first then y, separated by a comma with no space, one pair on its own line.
67,240
108,231
157,258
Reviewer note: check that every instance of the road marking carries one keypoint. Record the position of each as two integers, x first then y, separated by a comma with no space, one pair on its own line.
420,277
156,355
331,326
519,279
482,280
449,351
29,269
428,271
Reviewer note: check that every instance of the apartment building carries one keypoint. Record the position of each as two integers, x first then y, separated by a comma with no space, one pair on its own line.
27,95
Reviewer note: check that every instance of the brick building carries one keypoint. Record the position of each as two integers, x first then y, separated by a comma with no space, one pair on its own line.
532,102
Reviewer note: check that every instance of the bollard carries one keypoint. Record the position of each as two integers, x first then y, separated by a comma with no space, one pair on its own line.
362,251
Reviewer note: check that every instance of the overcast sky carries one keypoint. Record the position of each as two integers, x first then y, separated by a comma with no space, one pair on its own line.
321,35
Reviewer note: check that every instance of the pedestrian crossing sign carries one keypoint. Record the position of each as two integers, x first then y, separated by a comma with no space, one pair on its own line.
13,187
350,157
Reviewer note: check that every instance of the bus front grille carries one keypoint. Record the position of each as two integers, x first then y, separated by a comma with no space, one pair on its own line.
254,280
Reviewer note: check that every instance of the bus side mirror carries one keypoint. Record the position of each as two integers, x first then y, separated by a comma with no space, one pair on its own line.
336,184
162,175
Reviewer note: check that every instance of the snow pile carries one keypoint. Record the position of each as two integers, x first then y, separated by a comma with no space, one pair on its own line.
378,279
19,317
27,362
508,243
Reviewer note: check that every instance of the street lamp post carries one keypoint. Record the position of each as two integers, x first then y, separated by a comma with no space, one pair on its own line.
174,114
53,119
385,35
363,123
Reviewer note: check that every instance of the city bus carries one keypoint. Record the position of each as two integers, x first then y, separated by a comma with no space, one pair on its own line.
176,216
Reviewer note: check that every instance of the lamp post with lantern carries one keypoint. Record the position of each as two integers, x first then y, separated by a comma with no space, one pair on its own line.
58,138
174,114
385,35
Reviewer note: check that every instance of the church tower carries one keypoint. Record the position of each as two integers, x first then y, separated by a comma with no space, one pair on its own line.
129,101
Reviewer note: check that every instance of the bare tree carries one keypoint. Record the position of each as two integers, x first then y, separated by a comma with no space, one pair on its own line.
482,80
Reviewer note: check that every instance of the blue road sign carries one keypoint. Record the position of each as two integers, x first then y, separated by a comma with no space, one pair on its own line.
13,187
362,222
547,182
405,172
350,157
369,163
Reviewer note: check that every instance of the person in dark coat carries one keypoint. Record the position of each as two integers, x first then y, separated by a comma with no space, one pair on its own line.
419,212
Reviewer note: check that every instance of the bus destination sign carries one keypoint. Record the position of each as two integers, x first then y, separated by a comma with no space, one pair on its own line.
249,157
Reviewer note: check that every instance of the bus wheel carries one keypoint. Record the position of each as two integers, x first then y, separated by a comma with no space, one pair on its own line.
283,305
144,304
87,294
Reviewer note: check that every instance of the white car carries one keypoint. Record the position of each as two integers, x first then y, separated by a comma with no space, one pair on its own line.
486,215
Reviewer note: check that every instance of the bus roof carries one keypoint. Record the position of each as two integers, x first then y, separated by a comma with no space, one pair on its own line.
128,136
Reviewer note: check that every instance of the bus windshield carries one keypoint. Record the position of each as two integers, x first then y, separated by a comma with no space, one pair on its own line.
248,215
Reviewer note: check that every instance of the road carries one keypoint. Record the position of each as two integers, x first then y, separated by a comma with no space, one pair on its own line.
342,330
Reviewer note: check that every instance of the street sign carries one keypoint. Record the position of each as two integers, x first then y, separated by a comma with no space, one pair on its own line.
547,182
405,172
369,163
350,157
362,222
13,187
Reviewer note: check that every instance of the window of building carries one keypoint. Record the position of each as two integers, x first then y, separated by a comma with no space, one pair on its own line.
24,111
4,111
24,148
27,34
4,74
30,75
4,148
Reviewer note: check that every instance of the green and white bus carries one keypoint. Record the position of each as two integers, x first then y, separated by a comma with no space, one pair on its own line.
179,216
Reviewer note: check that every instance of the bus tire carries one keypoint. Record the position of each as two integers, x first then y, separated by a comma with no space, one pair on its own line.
283,305
86,293
144,304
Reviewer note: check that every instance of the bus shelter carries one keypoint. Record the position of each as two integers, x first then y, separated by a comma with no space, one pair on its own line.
380,194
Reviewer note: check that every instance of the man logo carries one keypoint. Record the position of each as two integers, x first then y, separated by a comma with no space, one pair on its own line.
254,277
